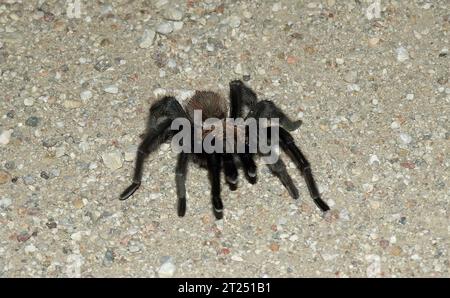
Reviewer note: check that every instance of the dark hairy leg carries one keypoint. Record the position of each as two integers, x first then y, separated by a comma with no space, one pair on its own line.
214,168
180,180
279,169
230,170
152,140
288,144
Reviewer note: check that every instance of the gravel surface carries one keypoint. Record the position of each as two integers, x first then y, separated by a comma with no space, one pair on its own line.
369,79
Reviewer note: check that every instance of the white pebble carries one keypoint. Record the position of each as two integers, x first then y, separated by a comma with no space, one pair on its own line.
167,269
237,258
293,238
395,125
402,54
276,7
5,137
130,153
374,268
30,248
177,26
374,10
238,69
28,101
112,160
113,89
5,202
76,236
234,21
339,61
86,94
410,96
405,138
173,14
373,159
164,28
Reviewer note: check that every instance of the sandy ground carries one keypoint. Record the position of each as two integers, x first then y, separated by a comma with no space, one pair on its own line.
369,79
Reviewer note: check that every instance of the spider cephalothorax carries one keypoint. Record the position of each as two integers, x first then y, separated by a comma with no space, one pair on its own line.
213,106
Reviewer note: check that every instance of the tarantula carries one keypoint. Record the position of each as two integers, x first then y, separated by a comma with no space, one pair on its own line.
212,105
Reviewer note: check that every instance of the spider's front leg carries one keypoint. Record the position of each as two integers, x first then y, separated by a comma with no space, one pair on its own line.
149,144
242,96
162,113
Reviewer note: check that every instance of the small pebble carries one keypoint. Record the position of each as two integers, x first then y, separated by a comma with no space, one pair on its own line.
28,101
237,258
10,165
351,76
30,248
234,21
109,257
5,137
44,175
85,95
167,269
28,180
395,125
373,41
32,121
103,64
374,159
173,14
112,160
76,236
164,28
293,238
4,177
147,39
339,61
410,96
402,54
276,7
72,104
405,138
5,202
112,89
130,153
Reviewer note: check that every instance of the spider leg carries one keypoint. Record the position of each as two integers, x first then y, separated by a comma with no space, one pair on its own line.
162,113
213,163
267,109
180,179
279,169
240,96
249,166
288,144
152,139
229,168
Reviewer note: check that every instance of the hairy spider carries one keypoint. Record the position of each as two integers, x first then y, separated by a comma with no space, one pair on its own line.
212,105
